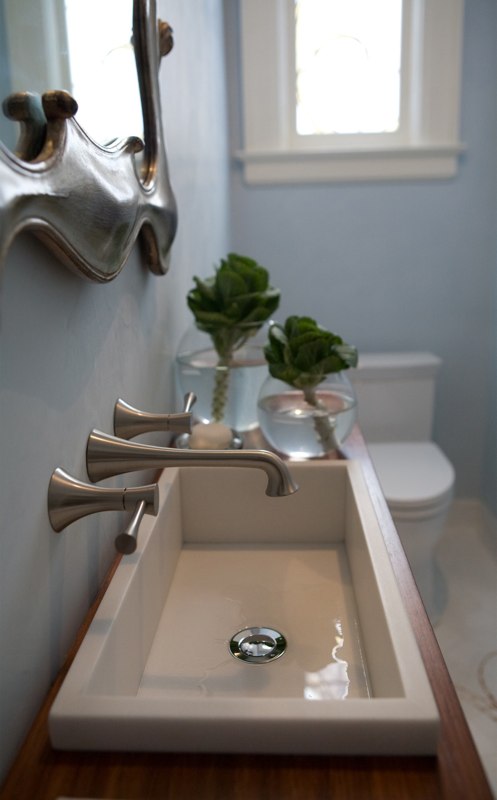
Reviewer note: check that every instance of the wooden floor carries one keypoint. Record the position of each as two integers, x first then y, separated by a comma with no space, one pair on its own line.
41,773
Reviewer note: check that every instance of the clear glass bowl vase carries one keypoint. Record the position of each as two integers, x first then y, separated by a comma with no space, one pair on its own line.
296,428
233,389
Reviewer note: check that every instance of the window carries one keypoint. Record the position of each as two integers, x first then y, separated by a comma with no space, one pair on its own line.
347,66
332,91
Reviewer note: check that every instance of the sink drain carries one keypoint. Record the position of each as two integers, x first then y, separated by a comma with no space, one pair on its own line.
257,645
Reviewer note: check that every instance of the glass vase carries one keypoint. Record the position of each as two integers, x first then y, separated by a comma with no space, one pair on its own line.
225,394
296,427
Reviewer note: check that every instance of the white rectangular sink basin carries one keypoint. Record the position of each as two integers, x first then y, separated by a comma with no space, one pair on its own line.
155,671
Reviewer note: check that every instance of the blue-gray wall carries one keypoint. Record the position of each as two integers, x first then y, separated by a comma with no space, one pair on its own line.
399,265
69,348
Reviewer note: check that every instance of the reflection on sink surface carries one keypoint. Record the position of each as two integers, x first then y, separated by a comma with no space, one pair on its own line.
303,592
155,671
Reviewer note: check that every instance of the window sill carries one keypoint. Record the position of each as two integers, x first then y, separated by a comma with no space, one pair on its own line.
411,162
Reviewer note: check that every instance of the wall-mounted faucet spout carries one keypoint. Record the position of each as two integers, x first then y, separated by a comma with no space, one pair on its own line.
107,455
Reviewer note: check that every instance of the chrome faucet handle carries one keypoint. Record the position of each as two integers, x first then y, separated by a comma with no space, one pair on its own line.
126,541
130,422
189,401
70,499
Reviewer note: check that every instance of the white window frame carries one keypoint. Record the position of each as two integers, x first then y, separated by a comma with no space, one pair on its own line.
428,147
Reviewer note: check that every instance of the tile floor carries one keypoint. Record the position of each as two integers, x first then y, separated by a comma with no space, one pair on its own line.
467,629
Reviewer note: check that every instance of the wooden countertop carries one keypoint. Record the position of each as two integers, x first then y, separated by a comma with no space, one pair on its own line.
40,773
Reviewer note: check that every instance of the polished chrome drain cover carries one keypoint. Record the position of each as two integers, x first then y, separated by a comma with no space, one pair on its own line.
257,645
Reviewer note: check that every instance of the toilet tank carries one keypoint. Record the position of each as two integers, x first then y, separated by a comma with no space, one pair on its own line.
395,395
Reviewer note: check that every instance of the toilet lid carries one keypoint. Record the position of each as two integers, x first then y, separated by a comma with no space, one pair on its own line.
414,474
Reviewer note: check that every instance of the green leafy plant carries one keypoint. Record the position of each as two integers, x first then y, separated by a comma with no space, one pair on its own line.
231,306
302,353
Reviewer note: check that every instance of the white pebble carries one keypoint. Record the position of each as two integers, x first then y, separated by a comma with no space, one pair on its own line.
210,436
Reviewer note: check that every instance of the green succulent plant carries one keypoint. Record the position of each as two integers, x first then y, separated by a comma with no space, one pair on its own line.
231,306
302,353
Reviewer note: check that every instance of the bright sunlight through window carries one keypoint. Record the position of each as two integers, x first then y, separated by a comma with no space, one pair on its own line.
348,60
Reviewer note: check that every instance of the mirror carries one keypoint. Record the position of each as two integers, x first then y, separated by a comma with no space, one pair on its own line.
87,156
63,47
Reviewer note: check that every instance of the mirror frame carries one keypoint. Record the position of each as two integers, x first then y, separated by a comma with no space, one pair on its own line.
89,203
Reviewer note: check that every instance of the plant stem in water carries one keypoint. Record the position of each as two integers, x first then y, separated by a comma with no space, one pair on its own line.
324,425
221,386
225,350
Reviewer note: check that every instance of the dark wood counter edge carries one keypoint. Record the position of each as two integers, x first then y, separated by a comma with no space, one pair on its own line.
40,773
460,767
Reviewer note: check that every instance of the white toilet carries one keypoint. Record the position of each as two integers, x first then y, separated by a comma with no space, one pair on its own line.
395,393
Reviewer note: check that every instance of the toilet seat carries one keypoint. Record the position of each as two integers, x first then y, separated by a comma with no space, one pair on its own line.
416,477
